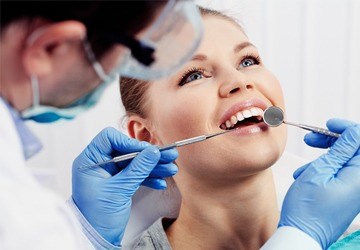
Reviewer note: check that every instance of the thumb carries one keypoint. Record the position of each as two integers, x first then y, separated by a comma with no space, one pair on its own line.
110,140
339,125
138,169
338,155
300,170
346,146
322,141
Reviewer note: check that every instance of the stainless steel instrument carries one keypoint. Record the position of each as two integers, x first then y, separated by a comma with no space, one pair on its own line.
170,146
274,116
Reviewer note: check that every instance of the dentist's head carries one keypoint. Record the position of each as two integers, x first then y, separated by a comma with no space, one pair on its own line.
57,57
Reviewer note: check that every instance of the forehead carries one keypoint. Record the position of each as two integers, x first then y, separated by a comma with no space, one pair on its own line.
220,32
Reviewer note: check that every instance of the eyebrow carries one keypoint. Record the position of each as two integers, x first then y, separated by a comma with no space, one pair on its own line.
238,48
243,45
199,57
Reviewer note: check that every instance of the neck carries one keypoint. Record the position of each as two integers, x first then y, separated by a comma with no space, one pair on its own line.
242,216
15,86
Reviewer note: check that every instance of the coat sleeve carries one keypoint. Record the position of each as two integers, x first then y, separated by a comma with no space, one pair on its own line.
286,238
32,217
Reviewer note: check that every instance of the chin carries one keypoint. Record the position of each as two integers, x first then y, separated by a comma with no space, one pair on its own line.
256,157
232,159
263,159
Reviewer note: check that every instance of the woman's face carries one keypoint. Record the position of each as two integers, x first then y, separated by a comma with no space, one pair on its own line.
225,79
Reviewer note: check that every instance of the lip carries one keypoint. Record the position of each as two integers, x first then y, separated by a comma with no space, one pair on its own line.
240,106
250,130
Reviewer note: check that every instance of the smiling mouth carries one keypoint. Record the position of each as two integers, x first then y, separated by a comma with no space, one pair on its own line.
243,118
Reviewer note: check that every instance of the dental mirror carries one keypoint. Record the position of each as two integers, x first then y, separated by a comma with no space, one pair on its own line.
274,116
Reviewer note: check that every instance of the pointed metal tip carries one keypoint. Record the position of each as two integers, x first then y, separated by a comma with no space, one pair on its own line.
216,134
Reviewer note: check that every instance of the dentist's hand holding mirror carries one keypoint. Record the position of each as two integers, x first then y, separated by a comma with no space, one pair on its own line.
326,190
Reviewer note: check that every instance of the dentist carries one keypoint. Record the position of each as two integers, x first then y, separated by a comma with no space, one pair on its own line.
56,59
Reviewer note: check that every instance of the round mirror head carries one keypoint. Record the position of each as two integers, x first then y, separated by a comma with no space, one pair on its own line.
273,116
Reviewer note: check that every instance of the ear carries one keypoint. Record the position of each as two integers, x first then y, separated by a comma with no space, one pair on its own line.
48,42
139,129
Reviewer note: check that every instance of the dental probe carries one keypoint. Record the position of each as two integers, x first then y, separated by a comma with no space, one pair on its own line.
169,146
274,116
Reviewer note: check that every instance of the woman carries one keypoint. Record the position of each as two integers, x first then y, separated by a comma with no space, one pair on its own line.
226,184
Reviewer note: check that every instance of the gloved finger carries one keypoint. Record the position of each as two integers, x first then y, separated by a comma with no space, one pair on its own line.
165,167
300,170
346,146
350,175
322,141
319,140
115,168
155,183
339,125
110,168
164,170
169,155
93,172
338,155
110,140
138,170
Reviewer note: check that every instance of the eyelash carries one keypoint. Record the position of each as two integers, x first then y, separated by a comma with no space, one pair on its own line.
255,58
189,72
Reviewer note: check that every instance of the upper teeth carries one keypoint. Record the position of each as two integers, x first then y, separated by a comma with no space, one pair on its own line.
241,115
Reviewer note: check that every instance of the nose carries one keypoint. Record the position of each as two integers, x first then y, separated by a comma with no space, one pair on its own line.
233,83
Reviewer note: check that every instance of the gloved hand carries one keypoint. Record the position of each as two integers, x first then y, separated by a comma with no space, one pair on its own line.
325,197
103,194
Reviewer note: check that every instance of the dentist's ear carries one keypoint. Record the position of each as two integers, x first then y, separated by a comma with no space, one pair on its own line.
49,44
140,130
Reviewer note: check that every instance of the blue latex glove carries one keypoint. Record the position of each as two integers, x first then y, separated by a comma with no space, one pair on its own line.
325,197
103,195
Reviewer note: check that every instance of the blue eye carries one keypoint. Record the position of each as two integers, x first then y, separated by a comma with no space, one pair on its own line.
247,62
193,77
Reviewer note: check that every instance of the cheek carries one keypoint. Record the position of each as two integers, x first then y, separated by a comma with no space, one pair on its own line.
180,117
270,87
68,87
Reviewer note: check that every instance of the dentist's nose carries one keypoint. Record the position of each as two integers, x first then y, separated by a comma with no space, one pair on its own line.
234,83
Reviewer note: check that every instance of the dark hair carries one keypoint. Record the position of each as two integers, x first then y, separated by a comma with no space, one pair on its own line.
133,91
99,17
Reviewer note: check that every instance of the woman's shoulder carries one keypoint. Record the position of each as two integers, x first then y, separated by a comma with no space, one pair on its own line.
154,237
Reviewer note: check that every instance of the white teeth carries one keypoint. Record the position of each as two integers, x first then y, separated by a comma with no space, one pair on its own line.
228,124
239,116
233,120
254,111
261,112
246,113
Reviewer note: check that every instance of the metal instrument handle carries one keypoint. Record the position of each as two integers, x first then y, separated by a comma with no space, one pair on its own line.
170,146
315,129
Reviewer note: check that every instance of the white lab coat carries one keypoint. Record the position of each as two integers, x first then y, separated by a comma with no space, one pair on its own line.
31,217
